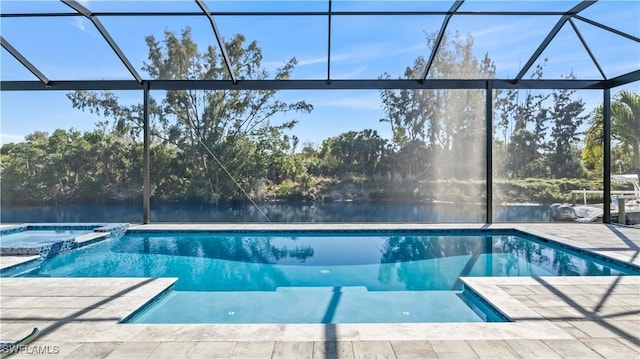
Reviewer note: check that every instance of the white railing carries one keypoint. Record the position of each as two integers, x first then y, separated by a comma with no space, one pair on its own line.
584,192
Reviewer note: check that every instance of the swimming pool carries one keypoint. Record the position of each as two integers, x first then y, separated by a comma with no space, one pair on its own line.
322,276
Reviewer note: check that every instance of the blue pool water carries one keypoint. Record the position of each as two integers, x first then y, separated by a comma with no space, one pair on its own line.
321,277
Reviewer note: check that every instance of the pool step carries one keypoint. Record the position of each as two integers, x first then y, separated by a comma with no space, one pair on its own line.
324,289
309,305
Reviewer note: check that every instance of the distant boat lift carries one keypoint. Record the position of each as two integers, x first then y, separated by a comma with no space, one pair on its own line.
625,204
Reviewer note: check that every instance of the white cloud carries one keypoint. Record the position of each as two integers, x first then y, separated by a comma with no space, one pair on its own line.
490,31
79,22
88,73
365,52
622,68
410,49
353,100
9,138
272,65
312,61
353,74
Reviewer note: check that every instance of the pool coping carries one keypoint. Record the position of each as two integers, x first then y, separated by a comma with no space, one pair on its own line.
528,323
11,263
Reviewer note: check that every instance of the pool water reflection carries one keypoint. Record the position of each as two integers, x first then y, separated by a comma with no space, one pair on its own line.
266,261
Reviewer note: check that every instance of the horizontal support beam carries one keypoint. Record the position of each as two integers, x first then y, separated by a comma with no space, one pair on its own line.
377,84
294,13
71,85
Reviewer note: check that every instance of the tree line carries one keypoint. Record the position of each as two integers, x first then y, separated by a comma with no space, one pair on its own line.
215,146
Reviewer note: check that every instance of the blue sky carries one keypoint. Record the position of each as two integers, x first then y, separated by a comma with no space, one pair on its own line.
364,47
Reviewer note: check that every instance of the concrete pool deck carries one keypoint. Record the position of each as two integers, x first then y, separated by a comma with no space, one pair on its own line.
555,317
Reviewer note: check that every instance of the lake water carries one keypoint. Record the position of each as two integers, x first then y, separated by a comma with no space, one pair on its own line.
338,212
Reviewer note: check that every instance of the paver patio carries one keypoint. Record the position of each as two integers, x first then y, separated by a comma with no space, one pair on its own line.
555,317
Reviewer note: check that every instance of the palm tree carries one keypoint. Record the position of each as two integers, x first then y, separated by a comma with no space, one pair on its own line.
625,126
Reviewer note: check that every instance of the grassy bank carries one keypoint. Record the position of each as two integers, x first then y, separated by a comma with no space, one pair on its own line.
531,190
